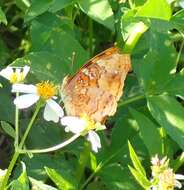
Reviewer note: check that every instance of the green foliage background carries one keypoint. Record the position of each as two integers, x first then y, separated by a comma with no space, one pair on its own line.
56,37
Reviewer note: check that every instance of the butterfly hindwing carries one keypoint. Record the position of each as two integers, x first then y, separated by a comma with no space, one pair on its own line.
95,89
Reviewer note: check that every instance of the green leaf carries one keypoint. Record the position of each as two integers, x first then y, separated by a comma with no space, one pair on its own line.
57,37
177,19
63,181
155,9
3,17
154,59
37,8
22,4
7,108
4,52
169,113
43,27
114,176
65,46
39,185
178,162
123,130
175,85
35,165
141,179
58,5
135,160
44,65
95,185
22,182
8,129
153,142
100,11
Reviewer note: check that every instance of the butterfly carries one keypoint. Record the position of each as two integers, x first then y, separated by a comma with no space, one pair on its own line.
96,88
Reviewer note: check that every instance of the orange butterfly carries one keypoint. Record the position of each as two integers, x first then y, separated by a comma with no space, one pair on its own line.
96,88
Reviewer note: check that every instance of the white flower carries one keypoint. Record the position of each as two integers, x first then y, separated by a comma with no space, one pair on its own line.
164,176
168,180
33,93
83,125
15,74
178,177
157,162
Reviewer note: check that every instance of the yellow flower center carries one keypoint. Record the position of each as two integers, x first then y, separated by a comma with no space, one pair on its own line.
16,77
46,90
167,179
90,123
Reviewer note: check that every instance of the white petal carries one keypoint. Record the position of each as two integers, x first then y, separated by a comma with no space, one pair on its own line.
179,176
25,101
24,88
94,140
25,70
17,71
74,124
55,107
177,184
52,111
54,97
7,72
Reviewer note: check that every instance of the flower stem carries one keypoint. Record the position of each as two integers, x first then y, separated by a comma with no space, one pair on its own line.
16,124
29,126
91,176
180,52
8,173
84,157
130,100
16,154
51,149
163,135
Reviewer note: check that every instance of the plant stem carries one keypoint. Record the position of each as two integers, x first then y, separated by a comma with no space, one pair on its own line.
29,126
130,100
84,157
179,53
51,149
9,170
163,135
16,124
91,176
16,154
